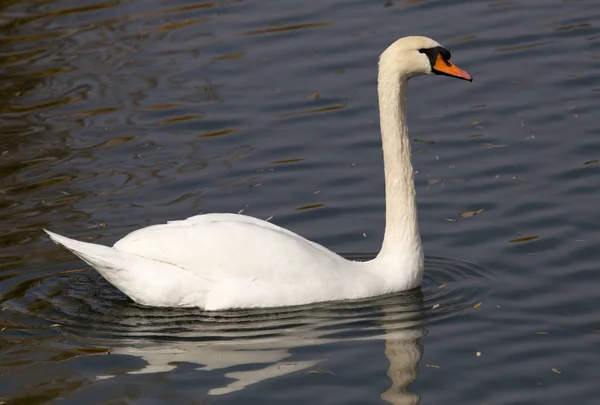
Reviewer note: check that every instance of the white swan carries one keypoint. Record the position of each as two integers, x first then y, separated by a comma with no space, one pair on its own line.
224,261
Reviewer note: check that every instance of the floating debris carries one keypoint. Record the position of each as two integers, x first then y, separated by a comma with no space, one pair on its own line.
467,214
320,372
235,55
590,162
442,286
435,306
557,371
477,305
450,219
523,239
309,207
270,218
432,366
282,161
424,141
478,354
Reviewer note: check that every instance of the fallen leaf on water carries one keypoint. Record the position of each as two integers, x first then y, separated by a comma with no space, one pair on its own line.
294,160
478,354
450,219
54,325
575,115
314,95
557,371
467,214
423,140
309,207
270,218
230,56
117,141
477,305
524,239
364,234
442,286
320,372
541,333
435,306
432,366
590,162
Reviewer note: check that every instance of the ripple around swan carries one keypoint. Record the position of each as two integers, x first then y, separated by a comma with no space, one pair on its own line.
81,302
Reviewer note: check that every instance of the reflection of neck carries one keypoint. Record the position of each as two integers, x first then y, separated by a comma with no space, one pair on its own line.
401,249
404,357
402,347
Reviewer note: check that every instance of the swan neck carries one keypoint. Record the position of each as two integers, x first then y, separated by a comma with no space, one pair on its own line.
402,241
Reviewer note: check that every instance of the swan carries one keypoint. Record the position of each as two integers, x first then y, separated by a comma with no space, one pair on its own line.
224,261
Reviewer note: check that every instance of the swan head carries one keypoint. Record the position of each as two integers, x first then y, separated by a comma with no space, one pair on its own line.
415,56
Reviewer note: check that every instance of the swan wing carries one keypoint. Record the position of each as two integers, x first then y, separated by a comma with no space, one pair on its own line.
220,246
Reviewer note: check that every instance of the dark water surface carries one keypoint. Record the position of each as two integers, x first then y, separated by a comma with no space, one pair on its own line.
120,114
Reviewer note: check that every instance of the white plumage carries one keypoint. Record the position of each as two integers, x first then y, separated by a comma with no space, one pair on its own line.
222,261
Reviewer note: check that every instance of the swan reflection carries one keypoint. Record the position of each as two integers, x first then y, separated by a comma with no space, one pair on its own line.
262,342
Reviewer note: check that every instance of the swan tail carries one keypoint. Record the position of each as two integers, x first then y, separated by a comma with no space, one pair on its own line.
102,258
142,279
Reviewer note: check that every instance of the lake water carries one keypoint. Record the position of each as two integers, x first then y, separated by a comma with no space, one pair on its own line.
120,114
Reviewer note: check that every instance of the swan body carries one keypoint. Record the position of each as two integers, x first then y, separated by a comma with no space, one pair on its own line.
225,261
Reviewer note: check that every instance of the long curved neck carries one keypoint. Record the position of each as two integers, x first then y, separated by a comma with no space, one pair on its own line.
402,241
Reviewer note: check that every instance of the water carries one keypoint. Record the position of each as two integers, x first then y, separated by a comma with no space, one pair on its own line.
120,114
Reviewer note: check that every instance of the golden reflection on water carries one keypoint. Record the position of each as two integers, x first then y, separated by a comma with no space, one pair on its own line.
284,28
314,111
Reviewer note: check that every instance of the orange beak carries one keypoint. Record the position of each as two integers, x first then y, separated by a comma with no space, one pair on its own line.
445,67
